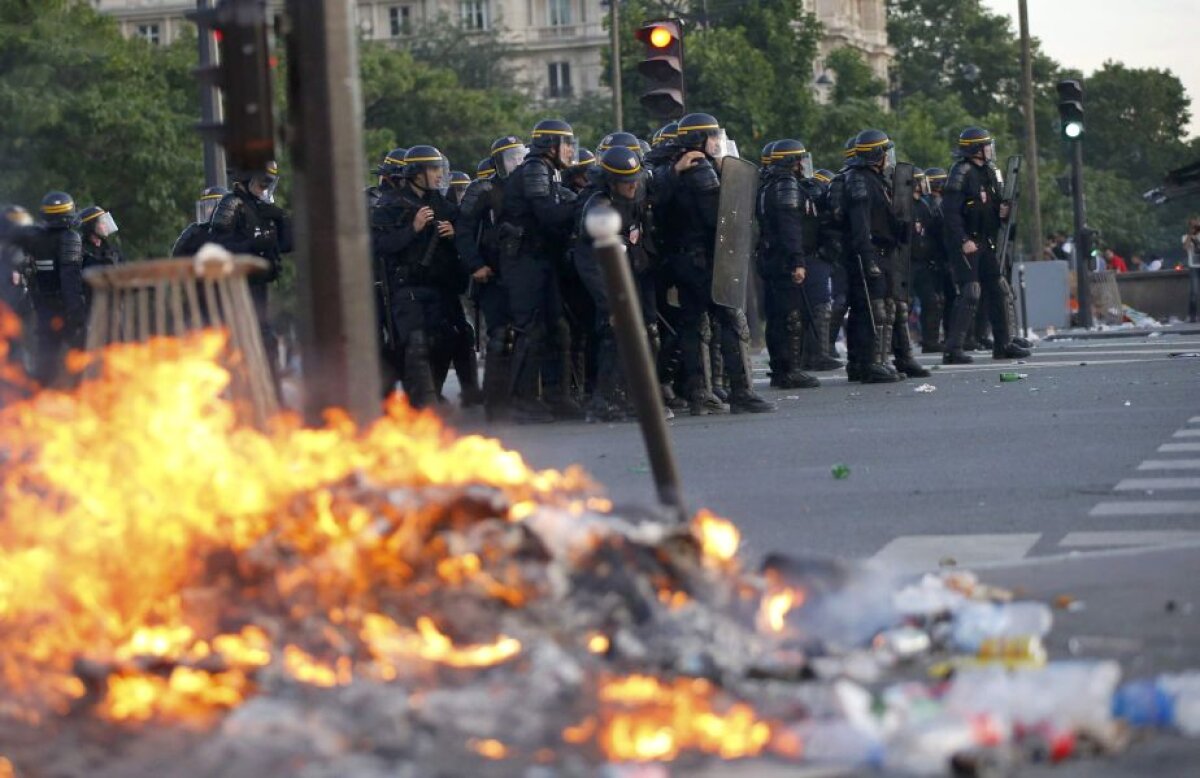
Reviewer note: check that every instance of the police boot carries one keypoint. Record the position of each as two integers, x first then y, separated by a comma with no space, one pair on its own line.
716,404
962,320
497,373
795,378
607,402
879,371
902,346
466,367
527,407
418,374
701,402
742,398
1010,351
816,345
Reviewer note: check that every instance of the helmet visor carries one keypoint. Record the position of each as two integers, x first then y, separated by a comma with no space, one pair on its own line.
205,207
510,159
263,185
989,151
106,225
716,145
806,165
889,161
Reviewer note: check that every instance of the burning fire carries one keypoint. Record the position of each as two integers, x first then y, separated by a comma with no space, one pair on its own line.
719,538
120,501
645,719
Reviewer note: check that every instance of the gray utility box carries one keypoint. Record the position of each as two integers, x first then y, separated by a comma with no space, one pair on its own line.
1047,294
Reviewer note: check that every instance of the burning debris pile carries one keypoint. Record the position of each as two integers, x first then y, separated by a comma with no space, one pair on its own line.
180,592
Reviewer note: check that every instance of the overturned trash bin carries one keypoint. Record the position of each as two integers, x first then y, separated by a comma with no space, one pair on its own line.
174,297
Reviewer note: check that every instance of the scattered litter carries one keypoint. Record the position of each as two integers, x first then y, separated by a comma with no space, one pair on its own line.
840,471
639,469
792,397
1083,364
1140,319
1066,602
1154,334
925,389
1127,403
1010,377
1184,354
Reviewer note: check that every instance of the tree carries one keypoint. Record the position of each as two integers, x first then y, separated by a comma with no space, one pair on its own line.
855,80
106,119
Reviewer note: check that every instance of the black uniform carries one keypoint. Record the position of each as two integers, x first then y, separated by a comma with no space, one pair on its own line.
971,207
417,267
788,218
535,226
930,274
872,237
476,239
244,224
57,295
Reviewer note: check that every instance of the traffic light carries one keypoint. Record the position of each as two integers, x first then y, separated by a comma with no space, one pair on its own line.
1070,108
663,68
243,75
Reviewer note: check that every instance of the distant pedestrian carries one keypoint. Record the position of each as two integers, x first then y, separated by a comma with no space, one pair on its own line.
1191,245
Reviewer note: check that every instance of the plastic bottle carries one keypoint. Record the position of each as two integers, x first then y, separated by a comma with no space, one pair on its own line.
1184,691
976,622
1073,694
1169,700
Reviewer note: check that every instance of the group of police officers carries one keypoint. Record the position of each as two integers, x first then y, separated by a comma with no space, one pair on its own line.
508,249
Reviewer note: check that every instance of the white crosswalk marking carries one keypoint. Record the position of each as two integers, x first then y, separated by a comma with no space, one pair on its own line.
1159,508
1153,484
1187,434
1172,448
1128,538
1194,420
914,553
1170,464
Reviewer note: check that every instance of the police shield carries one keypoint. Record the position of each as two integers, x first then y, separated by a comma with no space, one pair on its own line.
903,185
736,230
1011,194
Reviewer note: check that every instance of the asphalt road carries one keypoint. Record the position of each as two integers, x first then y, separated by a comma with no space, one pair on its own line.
976,471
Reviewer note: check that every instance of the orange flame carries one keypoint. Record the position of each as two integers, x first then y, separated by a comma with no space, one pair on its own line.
114,498
390,642
644,719
719,538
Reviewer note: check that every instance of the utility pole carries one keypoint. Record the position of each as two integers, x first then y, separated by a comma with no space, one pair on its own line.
210,104
339,337
1031,144
614,24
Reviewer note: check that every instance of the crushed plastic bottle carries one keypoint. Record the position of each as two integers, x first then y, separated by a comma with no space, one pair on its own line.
976,622
1074,694
840,471
1168,701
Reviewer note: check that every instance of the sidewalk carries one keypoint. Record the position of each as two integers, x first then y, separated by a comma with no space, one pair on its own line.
1079,333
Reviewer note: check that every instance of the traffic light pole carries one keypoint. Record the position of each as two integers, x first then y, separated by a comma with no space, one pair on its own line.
614,24
210,107
1083,237
339,338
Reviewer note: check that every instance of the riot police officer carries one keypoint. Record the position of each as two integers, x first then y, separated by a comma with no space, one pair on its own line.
197,233
902,350
620,138
56,286
973,211
929,261
835,210
620,186
820,351
96,226
485,169
459,181
247,221
387,169
872,235
579,174
535,225
787,216
15,269
688,194
412,229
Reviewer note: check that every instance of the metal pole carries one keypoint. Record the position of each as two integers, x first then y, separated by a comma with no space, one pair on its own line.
603,224
1083,238
1031,145
1024,305
339,341
210,108
614,23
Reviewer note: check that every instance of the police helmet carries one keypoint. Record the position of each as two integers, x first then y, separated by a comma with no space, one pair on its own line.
584,160
614,139
696,129
507,153
207,203
94,220
427,159
788,153
620,165
643,147
823,176
485,169
936,177
17,216
550,135
975,140
874,146
668,133
459,179
765,158
392,162
58,209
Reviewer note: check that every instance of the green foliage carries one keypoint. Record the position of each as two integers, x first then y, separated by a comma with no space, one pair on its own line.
106,119
855,80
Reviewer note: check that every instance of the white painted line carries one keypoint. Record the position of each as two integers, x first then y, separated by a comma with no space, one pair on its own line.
914,553
1194,420
1154,484
1187,434
1129,538
1156,508
1168,448
1170,464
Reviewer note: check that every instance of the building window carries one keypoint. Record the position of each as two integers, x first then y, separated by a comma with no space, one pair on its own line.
149,33
474,14
559,79
400,20
559,12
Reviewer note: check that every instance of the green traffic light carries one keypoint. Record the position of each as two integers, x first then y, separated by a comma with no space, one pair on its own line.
1073,129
